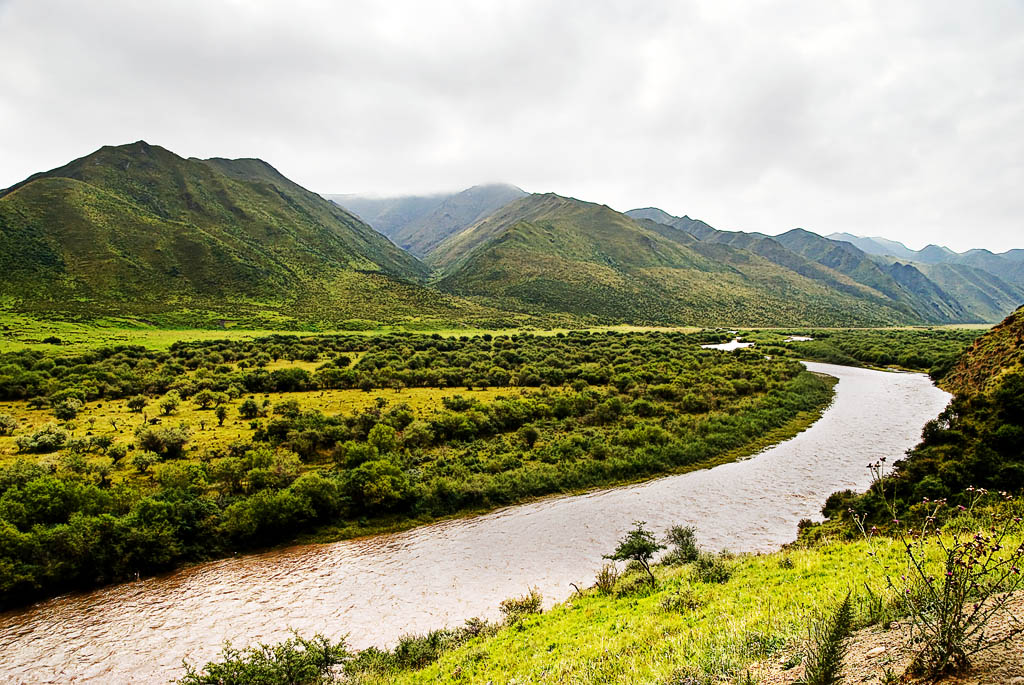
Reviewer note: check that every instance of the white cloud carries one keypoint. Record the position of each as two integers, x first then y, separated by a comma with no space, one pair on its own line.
900,119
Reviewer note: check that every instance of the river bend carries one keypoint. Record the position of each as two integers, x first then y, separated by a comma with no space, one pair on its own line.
378,588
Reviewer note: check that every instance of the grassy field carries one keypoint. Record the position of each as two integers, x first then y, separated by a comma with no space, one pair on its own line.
686,628
113,418
20,332
761,611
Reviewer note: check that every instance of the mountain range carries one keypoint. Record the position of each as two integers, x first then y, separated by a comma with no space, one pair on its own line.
137,230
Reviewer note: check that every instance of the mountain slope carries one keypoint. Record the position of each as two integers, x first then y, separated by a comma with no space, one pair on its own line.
980,292
839,266
995,354
419,223
136,229
876,245
1007,266
549,253
904,285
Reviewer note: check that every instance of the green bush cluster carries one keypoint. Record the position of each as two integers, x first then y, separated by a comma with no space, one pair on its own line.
621,409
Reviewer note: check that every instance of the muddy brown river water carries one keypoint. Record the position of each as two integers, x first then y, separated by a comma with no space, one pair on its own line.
379,588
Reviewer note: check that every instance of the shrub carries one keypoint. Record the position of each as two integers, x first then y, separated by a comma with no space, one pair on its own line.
634,584
682,600
289,409
170,402
249,409
67,409
143,461
295,660
137,403
711,568
7,424
528,435
606,579
384,438
49,438
682,545
168,442
955,577
117,452
826,646
515,608
204,398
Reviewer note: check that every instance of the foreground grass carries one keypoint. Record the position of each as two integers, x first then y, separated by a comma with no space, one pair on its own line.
680,631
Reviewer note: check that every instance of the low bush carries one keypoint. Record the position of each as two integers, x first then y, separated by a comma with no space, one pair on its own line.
514,609
296,660
711,568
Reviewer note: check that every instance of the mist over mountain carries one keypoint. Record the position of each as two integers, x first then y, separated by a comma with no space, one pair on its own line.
418,223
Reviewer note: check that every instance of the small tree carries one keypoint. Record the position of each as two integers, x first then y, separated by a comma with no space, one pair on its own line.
638,545
221,413
137,403
170,402
204,398
249,409
67,409
7,424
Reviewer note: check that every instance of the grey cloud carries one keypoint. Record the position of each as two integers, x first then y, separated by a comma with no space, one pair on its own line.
871,117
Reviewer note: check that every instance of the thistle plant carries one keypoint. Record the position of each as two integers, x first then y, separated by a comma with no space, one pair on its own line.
959,570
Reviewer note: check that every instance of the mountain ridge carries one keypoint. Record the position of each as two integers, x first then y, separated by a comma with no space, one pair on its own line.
138,230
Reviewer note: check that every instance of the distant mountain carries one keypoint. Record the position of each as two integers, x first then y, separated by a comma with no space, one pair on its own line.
419,223
547,253
980,292
840,266
876,245
136,229
1007,266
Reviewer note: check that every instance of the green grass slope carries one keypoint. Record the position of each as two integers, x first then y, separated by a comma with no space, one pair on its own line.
136,229
546,253
982,293
996,354
839,265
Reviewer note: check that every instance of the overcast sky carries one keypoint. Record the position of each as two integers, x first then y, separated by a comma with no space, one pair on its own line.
902,119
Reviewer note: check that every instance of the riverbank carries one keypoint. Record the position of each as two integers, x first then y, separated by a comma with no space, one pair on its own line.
746,624
798,424
378,588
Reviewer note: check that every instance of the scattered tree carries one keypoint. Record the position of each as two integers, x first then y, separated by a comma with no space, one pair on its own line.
638,545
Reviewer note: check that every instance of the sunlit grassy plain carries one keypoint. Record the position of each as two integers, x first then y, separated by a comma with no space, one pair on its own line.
18,332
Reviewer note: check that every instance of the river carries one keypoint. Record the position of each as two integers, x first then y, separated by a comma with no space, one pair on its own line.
378,588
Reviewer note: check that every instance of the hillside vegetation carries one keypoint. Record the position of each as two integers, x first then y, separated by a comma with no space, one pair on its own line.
707,618
138,230
122,460
991,359
546,253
